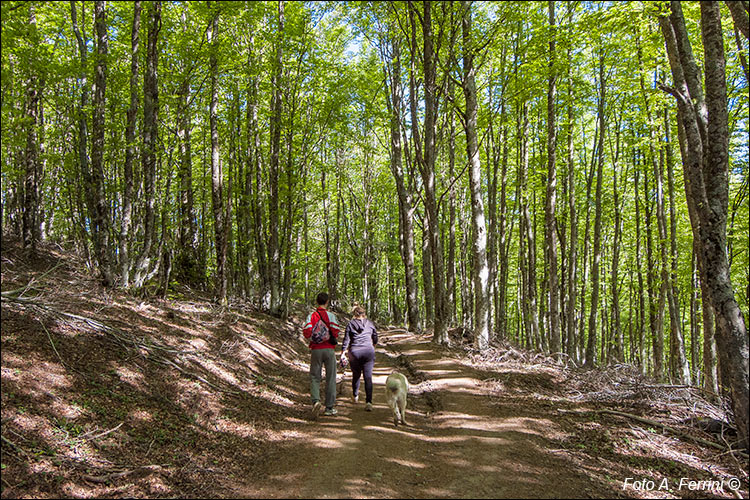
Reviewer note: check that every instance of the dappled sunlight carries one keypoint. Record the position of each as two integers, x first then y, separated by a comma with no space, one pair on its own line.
128,375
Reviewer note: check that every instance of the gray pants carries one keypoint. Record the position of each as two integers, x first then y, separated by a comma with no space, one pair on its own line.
319,358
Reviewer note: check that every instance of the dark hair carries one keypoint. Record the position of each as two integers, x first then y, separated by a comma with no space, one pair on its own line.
322,298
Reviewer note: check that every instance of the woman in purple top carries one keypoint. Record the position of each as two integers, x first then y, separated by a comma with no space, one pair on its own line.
360,339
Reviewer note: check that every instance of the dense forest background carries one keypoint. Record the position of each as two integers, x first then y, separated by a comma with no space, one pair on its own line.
519,170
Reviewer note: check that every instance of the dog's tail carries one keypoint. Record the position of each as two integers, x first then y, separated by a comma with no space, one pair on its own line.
392,384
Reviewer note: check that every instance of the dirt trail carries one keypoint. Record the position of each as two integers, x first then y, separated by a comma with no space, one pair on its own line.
458,444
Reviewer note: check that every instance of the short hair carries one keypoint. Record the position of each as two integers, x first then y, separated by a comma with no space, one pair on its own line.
322,298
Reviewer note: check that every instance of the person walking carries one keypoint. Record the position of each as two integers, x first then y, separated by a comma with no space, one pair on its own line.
322,354
360,340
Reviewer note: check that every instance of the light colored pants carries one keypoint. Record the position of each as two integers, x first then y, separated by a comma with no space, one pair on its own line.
320,358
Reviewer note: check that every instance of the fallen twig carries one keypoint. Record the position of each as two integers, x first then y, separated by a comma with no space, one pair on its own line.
117,475
50,341
104,433
15,446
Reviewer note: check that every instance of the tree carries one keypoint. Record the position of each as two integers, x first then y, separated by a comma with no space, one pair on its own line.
479,229
217,174
705,124
550,232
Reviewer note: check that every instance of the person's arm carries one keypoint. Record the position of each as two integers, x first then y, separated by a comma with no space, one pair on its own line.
333,324
374,334
307,329
347,338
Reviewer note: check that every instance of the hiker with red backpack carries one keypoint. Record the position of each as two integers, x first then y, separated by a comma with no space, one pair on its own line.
322,328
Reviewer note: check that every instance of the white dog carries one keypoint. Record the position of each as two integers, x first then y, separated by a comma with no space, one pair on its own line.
396,389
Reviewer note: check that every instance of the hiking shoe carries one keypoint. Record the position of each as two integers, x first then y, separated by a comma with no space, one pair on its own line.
316,409
331,412
355,398
368,407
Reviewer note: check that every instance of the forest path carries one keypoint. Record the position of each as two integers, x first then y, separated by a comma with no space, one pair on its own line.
458,442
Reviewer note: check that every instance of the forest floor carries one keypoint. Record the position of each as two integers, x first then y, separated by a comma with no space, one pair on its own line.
109,395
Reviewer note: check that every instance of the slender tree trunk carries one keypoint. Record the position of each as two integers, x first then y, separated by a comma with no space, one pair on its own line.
617,333
479,229
32,178
217,174
573,245
274,250
527,233
130,148
642,360
83,140
440,332
679,364
150,139
404,196
100,223
694,325
591,344
551,196
451,265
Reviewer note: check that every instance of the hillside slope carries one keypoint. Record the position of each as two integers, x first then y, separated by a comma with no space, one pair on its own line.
108,395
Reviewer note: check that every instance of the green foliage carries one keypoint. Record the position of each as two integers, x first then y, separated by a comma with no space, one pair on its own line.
335,124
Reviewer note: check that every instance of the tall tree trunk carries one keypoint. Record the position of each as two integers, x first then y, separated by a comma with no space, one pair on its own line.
679,364
255,170
100,219
150,139
550,234
573,348
217,175
274,250
130,148
406,211
642,360
479,229
655,311
32,175
706,171
591,343
440,332
617,333
527,233
83,133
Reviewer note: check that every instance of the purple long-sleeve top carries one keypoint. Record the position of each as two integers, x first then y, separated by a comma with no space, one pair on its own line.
360,334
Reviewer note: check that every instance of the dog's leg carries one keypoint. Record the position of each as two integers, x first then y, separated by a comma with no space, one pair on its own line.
393,402
402,404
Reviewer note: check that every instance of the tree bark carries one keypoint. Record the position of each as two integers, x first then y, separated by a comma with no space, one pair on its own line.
550,233
130,149
706,169
150,138
480,269
274,250
406,212
440,332
217,174
680,368
100,220
31,222
739,16
591,342
527,234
